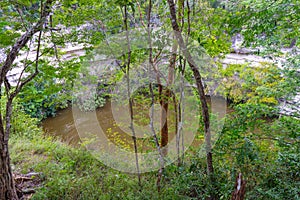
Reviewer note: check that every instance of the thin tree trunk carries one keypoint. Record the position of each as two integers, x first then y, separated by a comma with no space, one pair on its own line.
199,84
180,109
161,158
179,125
239,188
200,89
129,96
165,101
166,95
152,64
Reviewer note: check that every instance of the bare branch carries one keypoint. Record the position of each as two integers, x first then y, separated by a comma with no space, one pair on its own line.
20,85
55,47
141,16
157,56
22,19
25,65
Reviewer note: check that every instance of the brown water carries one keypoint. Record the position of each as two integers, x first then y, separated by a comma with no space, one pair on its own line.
64,127
63,124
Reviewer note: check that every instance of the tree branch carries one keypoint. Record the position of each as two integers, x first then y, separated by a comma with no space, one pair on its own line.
20,84
20,13
22,41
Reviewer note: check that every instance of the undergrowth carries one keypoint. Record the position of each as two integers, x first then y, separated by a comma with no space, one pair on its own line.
266,152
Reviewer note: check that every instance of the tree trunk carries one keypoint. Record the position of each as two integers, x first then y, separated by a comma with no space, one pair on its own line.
239,188
200,89
125,15
165,97
164,122
152,64
7,186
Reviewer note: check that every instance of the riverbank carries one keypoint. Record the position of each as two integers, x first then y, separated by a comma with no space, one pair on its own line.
72,173
270,168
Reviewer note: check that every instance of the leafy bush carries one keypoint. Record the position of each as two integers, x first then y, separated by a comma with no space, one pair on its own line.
50,90
243,83
37,102
22,124
88,102
264,149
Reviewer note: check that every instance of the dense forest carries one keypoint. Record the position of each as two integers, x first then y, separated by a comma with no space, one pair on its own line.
151,99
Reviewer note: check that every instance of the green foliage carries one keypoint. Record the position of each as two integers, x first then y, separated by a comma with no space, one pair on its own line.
7,37
21,123
265,151
75,174
263,84
41,105
292,80
208,28
267,23
50,90
89,102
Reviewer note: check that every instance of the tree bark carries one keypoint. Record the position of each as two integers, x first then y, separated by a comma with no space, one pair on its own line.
164,124
165,101
125,15
239,188
7,185
200,87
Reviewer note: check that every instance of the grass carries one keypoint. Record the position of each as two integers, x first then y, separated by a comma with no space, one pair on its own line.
73,173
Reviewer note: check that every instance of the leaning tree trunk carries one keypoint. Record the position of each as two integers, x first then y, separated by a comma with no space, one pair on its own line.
200,88
7,186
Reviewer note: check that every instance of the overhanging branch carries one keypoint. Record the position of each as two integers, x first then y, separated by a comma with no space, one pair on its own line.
22,41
